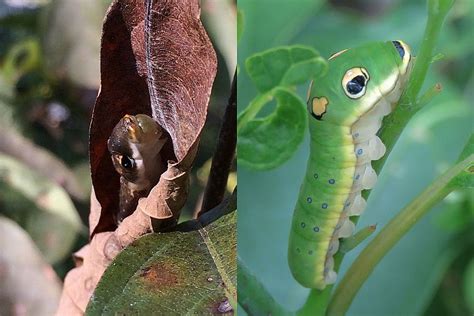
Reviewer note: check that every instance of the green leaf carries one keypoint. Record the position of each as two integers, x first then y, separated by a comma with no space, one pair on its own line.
190,272
265,143
284,66
458,212
21,58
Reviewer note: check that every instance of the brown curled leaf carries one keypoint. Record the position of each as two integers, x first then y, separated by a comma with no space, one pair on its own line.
181,66
165,45
123,91
172,57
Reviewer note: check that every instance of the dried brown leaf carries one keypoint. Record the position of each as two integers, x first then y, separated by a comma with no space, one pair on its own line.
166,46
181,66
162,48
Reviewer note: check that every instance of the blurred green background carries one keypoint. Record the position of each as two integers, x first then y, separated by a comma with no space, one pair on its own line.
430,272
49,79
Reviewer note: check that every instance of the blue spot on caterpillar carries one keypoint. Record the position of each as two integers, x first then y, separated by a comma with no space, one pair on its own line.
338,121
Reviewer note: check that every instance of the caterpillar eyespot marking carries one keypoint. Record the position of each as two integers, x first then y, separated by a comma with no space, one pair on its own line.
309,200
347,106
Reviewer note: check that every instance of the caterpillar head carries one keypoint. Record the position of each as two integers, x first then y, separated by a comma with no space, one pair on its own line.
134,145
358,79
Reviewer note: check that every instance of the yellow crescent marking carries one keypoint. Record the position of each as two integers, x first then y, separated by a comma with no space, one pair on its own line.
319,105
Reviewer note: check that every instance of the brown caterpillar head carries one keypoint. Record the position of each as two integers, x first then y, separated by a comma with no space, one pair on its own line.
134,144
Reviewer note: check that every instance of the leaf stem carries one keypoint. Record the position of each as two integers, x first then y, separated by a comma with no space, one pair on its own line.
389,236
253,296
429,95
254,107
223,155
437,11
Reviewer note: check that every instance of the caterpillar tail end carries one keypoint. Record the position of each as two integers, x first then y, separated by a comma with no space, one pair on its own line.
303,268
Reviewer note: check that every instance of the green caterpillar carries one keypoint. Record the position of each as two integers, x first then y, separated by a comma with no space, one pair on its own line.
347,107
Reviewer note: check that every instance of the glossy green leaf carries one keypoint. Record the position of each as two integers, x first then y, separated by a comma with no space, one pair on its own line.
191,272
284,66
265,143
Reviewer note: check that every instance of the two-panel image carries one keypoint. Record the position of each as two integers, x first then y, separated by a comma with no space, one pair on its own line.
236,157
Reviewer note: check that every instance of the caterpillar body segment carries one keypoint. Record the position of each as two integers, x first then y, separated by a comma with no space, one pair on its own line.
347,107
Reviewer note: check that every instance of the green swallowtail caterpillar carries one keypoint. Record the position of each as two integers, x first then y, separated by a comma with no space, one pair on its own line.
135,145
347,106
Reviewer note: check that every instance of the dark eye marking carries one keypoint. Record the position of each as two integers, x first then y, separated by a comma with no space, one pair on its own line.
399,47
127,162
356,85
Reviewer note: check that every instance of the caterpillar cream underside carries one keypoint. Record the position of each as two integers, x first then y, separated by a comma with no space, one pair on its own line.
347,107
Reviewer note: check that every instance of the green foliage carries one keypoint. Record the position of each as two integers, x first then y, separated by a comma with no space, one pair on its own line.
265,143
466,178
284,66
468,285
434,137
21,59
43,208
152,275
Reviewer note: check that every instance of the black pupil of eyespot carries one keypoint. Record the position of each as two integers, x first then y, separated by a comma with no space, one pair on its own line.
356,85
399,47
126,162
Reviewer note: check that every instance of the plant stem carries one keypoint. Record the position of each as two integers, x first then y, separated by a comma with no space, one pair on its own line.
389,236
407,106
223,155
437,11
254,107
253,297
316,303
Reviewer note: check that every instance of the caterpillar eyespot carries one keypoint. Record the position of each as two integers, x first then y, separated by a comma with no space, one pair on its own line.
127,162
343,128
354,82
